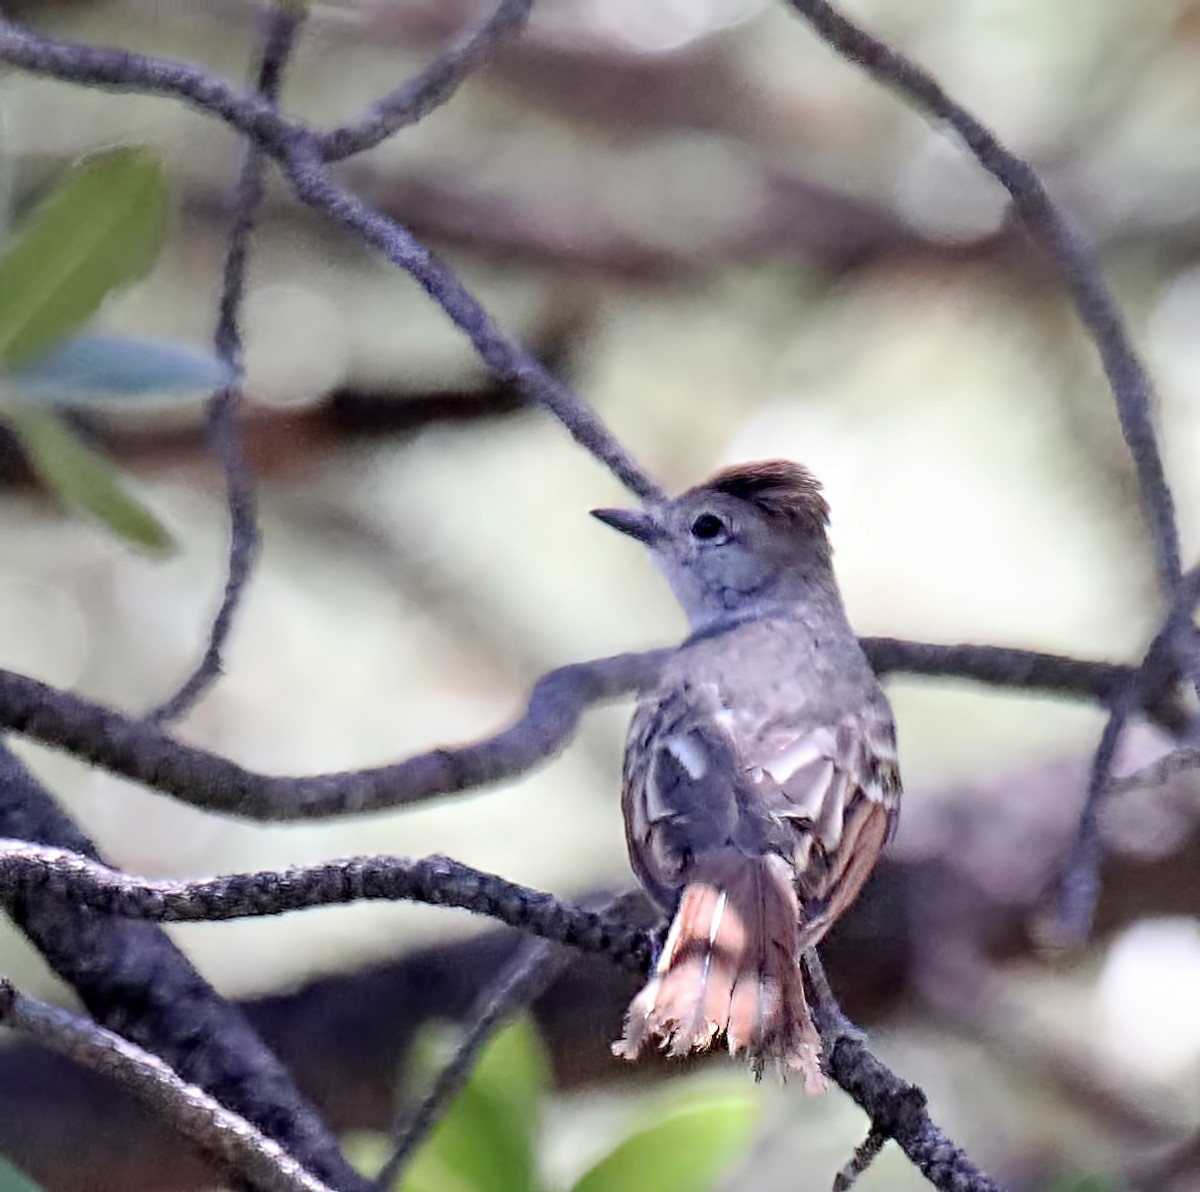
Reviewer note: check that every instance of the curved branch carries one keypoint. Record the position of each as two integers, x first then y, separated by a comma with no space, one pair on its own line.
146,754
207,1040
895,1107
29,870
123,70
224,436
298,149
314,184
214,1129
535,965
1062,241
415,99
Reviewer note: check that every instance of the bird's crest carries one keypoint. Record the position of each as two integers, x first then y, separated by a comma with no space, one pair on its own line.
780,489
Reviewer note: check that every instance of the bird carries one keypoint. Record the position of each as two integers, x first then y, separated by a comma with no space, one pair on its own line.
761,778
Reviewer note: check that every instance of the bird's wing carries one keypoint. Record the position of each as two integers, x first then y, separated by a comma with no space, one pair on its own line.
681,773
837,789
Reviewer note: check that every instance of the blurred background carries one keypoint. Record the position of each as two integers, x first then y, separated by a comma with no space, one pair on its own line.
733,245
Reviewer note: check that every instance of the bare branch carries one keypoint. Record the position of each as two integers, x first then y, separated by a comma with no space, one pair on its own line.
282,22
1064,243
146,754
1081,877
1158,773
527,975
216,1130
418,97
1172,652
864,1155
122,70
897,1109
1077,262
314,184
1029,670
31,870
298,150
132,978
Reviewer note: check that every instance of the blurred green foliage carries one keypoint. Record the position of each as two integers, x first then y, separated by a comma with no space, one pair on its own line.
12,1180
100,228
489,1139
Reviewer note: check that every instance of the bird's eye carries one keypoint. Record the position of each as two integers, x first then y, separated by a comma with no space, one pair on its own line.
707,526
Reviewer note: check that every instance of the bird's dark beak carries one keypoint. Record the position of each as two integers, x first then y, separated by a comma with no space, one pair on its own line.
633,522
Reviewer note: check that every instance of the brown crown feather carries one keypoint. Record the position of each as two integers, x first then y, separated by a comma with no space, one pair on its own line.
781,489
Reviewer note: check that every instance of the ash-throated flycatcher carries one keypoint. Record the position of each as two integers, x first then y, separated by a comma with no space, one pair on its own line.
761,779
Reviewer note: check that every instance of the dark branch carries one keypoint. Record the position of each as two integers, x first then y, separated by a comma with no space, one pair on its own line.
418,97
298,149
133,980
123,70
217,1131
28,870
146,754
1171,654
1030,670
1063,242
1158,773
314,184
896,1108
1081,876
864,1155
526,976
224,437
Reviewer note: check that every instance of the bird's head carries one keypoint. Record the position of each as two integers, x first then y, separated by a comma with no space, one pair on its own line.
752,534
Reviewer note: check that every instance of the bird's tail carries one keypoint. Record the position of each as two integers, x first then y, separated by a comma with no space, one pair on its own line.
730,967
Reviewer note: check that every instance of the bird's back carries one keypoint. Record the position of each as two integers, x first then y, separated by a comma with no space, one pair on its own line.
773,737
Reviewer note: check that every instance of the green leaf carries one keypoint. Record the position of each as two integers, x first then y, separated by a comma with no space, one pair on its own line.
12,1180
487,1141
687,1150
100,228
102,366
81,477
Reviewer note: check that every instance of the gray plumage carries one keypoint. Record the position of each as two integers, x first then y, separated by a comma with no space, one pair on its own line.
761,778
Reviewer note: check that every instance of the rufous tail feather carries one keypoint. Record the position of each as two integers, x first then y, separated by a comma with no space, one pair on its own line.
729,967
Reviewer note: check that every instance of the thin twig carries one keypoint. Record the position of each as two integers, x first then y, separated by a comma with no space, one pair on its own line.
298,149
535,965
1065,244
416,98
864,1155
896,1108
217,1131
1080,884
314,184
1157,773
1171,652
282,24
